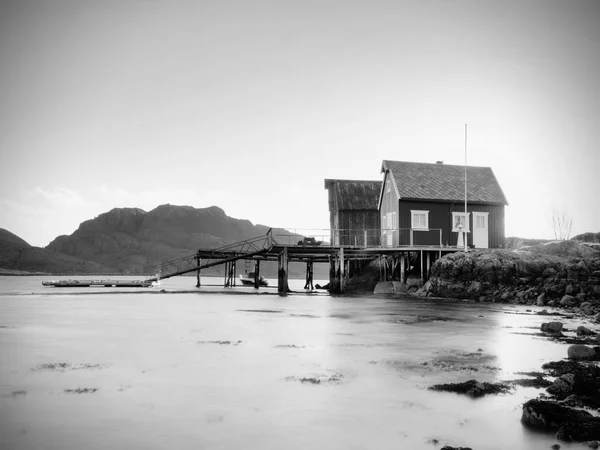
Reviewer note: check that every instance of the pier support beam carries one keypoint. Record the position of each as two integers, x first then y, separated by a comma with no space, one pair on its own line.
428,264
256,274
422,274
198,272
342,271
230,274
309,276
282,272
402,268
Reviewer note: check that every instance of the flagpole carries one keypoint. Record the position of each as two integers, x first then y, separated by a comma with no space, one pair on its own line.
466,216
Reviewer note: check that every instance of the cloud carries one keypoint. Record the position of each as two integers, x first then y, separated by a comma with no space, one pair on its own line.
61,197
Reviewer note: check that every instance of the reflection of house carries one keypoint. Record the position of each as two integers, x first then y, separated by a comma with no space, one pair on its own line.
423,204
353,213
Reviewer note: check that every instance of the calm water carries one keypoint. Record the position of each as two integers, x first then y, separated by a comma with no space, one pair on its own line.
202,369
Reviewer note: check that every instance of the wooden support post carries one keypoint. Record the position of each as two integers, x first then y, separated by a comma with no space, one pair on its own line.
331,273
198,271
366,243
402,268
282,273
256,274
342,271
422,275
309,276
428,264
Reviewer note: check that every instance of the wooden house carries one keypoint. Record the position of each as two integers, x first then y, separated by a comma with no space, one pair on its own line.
353,212
424,205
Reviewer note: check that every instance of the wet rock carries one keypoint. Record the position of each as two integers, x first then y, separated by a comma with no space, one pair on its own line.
81,391
541,299
572,400
570,424
552,327
593,444
473,388
334,378
538,382
567,300
581,352
584,331
562,386
448,447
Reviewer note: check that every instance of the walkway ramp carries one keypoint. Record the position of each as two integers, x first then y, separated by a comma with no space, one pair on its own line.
213,257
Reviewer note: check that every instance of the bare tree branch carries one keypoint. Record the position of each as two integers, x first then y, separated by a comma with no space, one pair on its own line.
561,224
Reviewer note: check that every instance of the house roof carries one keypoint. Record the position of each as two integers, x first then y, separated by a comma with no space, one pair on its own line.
444,182
355,194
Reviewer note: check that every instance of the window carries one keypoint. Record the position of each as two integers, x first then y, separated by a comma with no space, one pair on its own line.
460,219
388,185
419,220
480,221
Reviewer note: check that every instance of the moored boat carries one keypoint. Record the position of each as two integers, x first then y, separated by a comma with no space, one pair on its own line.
248,279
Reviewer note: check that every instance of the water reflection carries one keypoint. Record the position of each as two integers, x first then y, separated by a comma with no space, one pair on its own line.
224,371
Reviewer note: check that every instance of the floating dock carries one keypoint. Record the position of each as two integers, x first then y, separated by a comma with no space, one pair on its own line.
98,283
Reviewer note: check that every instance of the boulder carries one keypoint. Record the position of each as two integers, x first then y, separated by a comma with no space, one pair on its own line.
584,331
541,299
580,352
562,386
570,424
567,300
552,327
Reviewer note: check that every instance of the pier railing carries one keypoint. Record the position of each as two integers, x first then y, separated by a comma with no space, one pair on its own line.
361,238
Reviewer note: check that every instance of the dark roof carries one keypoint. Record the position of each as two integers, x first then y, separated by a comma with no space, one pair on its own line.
444,182
355,194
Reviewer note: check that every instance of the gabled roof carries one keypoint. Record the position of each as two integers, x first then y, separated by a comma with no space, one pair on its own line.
355,194
444,182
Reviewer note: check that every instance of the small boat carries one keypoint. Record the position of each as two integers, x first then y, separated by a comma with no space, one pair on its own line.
248,279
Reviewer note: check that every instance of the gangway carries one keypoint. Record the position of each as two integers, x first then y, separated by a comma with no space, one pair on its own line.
246,249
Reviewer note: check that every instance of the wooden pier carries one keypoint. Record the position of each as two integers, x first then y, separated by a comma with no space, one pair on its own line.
342,261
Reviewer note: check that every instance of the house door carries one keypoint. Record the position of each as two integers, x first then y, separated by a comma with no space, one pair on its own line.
480,230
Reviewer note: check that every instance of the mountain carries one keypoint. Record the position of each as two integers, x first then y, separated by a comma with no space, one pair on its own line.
18,257
133,241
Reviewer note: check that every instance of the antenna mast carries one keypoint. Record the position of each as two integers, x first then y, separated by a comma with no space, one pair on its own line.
466,216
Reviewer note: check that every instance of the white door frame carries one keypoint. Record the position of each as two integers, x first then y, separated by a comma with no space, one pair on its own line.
481,229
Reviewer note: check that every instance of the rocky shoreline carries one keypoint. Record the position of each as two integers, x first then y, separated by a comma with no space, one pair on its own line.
563,274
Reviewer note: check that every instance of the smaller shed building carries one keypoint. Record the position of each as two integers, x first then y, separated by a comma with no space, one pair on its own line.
353,212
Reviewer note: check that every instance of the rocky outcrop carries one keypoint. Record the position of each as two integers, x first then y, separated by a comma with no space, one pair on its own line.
562,274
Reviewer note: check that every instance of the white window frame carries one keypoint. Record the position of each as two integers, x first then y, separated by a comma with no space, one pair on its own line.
416,226
483,215
388,185
467,220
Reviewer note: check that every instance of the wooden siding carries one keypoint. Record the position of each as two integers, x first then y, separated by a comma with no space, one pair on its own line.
440,217
353,224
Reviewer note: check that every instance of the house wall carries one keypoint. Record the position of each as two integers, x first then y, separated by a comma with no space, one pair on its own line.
389,204
353,224
440,217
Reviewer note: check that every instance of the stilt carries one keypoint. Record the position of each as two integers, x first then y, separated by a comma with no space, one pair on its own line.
428,264
402,268
422,275
331,273
256,274
309,276
198,271
342,271
282,274
230,274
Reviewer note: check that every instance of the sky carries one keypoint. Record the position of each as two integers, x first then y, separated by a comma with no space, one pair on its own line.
249,105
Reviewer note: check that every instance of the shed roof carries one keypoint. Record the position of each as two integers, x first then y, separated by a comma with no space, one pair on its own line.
355,194
444,182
